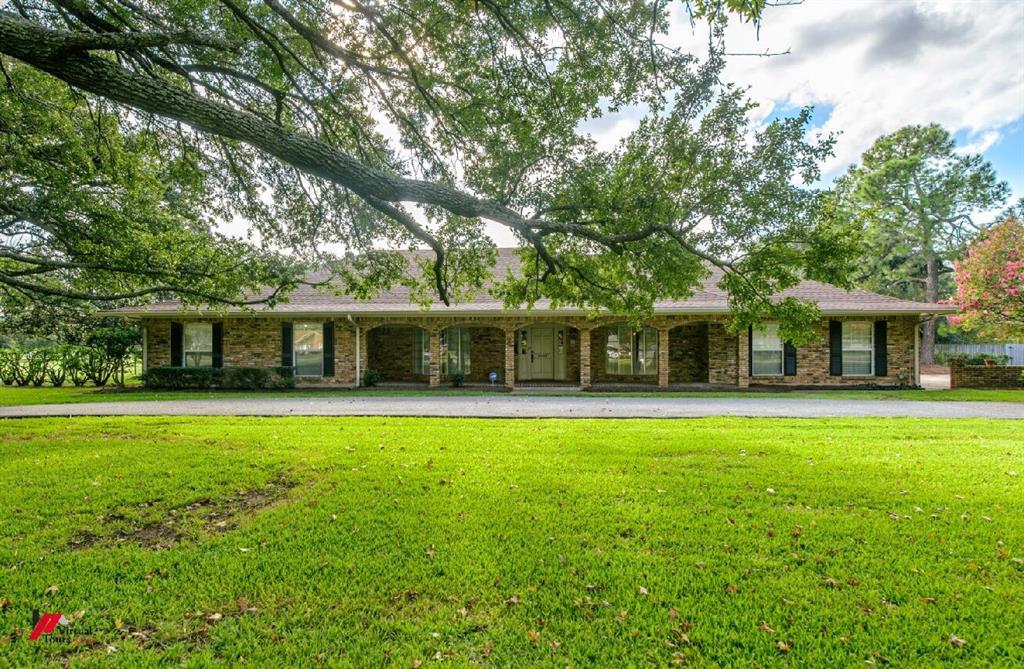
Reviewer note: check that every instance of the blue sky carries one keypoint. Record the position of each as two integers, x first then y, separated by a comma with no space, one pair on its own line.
870,67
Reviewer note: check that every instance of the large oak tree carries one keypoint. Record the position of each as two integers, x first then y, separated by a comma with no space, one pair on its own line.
380,125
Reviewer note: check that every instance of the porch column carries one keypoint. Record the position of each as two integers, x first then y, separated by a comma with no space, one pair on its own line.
435,358
584,358
663,358
743,359
510,359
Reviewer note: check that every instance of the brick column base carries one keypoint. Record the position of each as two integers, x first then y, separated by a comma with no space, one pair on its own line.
584,358
435,359
743,359
510,359
663,359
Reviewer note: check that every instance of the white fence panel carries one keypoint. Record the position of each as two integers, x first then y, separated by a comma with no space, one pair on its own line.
1015,351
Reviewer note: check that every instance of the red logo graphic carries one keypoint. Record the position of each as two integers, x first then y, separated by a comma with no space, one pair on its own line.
47,623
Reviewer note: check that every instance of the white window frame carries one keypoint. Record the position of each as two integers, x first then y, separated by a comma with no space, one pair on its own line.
771,341
871,348
307,326
188,343
456,346
637,345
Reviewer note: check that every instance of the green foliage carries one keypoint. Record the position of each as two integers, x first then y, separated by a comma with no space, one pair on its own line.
238,378
99,209
990,283
371,377
457,379
917,196
78,364
846,539
979,359
321,123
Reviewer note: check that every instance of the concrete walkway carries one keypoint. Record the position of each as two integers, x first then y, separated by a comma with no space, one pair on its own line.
529,406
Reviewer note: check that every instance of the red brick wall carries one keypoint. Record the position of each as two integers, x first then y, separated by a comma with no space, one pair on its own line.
700,349
980,376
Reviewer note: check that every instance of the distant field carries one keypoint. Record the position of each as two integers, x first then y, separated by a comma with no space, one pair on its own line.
439,542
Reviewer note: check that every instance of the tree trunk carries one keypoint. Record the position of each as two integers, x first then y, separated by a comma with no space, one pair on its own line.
931,294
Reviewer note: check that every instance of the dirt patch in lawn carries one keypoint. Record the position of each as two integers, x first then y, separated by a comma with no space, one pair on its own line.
180,523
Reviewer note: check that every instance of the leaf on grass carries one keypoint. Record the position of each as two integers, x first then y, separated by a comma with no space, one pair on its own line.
766,628
643,590
487,649
956,642
52,589
731,588
533,636
927,600
673,614
512,601
782,646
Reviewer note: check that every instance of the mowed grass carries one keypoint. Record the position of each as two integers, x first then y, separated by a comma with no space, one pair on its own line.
714,542
28,395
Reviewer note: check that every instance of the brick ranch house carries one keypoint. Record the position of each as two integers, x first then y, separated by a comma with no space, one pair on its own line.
864,339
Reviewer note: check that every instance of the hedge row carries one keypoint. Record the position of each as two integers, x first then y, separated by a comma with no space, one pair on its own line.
234,378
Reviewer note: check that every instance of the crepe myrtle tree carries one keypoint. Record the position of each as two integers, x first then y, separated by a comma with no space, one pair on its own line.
990,283
384,125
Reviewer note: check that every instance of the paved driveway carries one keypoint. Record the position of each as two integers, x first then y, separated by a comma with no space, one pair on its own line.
529,406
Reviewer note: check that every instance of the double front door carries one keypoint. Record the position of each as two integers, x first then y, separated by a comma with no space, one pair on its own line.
541,353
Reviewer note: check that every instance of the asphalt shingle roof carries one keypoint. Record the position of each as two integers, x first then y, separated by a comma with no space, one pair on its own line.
708,298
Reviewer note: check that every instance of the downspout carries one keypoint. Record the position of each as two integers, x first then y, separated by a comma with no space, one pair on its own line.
145,348
358,350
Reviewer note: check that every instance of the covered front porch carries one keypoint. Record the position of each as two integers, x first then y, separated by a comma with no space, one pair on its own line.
558,355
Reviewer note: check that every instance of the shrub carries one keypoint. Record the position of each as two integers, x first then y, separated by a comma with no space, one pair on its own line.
371,377
208,378
980,359
457,379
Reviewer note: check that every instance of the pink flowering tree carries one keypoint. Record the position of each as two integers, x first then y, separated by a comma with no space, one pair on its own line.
990,283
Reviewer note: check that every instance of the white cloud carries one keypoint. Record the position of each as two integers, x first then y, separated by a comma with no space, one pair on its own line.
883,65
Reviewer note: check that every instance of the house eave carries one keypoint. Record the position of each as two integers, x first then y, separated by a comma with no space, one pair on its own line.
496,313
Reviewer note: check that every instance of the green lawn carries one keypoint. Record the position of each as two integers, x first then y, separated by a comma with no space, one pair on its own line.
13,395
367,542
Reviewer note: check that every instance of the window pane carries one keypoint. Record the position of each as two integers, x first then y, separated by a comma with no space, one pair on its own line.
857,363
464,350
766,338
647,351
619,351
766,350
858,349
309,349
455,354
856,335
767,363
197,345
421,352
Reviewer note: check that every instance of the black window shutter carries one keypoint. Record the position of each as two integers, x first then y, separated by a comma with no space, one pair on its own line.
286,344
750,350
218,344
176,336
329,348
881,348
788,359
835,348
